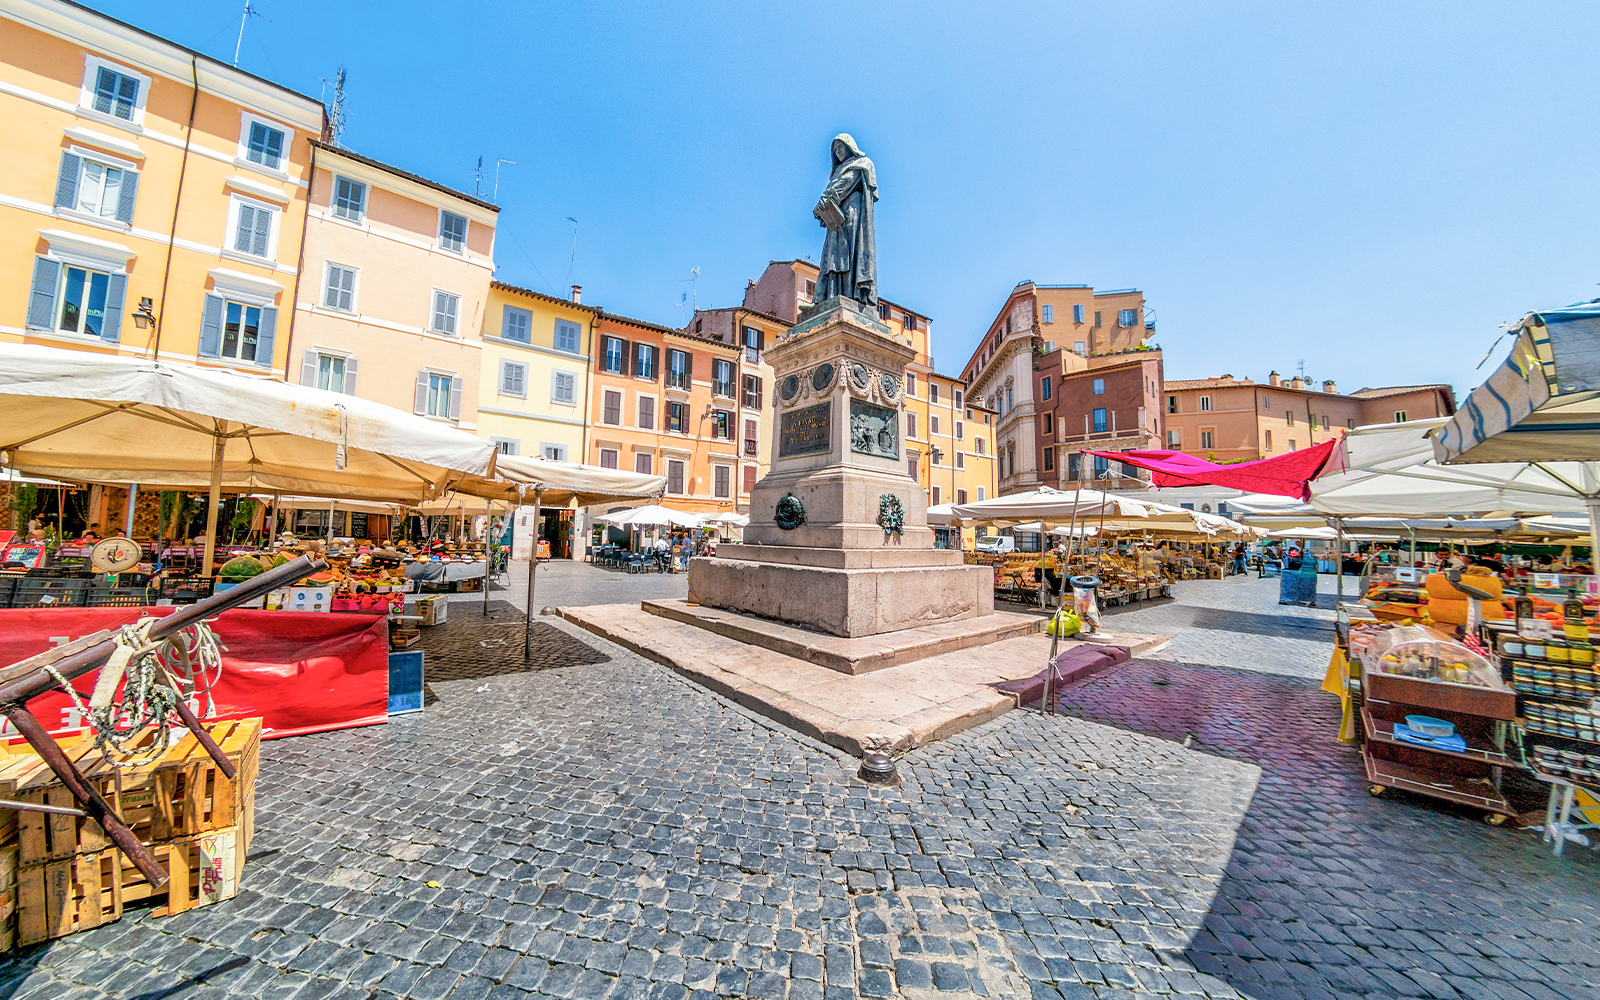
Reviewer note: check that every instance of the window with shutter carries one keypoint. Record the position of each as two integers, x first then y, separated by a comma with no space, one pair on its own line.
678,369
644,361
750,474
647,413
722,378
751,436
517,324
564,387
615,356
452,232
513,379
674,476
340,290
349,199
330,372
721,478
612,408
933,424
678,417
253,233
446,308
643,462
1044,387
437,398
911,424
566,337
265,145
507,446
608,458
961,430
115,94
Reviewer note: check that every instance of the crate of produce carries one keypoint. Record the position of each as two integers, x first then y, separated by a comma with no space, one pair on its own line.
105,596
48,592
181,794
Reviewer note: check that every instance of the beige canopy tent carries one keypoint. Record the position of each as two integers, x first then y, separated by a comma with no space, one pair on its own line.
652,516
113,419
517,479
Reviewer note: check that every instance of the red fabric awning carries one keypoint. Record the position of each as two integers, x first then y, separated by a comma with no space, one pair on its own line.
1282,475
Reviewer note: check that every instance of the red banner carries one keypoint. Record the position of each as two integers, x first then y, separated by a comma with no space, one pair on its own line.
301,672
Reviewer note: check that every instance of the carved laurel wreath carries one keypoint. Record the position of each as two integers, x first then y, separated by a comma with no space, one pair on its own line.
791,513
891,515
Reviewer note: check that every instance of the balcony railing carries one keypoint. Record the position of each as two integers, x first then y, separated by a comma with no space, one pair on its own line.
749,447
722,389
678,380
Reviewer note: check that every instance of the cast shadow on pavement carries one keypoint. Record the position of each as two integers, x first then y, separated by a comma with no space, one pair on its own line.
1330,892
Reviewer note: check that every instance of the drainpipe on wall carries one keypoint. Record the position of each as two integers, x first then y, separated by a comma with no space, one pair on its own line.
588,368
300,268
177,198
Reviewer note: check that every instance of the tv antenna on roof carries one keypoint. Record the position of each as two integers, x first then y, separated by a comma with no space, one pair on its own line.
477,182
572,268
243,18
1302,369
497,164
336,110
694,286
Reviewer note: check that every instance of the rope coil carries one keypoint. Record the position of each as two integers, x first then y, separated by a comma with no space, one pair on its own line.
158,675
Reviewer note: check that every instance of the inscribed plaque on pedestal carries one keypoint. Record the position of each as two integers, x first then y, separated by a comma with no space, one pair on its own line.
806,430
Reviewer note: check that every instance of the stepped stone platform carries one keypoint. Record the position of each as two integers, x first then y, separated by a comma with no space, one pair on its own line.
896,707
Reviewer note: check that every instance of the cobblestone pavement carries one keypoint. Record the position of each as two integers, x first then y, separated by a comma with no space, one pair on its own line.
473,644
610,830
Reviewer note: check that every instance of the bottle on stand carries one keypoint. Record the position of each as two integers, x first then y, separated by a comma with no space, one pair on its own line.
1573,622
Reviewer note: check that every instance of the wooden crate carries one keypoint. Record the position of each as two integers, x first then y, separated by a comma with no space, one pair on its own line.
182,794
202,869
62,897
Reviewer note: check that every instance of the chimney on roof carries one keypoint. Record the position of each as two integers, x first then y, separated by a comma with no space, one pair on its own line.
577,293
1274,379
1297,383
1328,386
1225,378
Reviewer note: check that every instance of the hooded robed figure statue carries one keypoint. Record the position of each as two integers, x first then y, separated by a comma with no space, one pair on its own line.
850,250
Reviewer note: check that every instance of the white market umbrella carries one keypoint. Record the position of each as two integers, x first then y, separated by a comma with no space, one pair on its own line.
942,514
730,520
652,516
112,419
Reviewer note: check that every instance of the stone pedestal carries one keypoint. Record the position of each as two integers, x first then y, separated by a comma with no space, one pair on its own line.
838,538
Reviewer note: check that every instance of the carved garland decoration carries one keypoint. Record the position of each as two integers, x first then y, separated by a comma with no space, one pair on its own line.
791,513
891,515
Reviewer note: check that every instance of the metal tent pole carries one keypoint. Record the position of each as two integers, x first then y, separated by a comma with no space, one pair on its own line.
127,512
219,446
488,553
1338,557
533,562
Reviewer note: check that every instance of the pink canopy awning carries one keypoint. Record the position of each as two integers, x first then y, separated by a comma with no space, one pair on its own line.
1287,475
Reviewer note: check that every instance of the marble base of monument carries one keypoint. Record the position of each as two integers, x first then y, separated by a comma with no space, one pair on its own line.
810,587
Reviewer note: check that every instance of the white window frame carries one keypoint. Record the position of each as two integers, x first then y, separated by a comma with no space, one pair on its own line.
85,156
355,285
1400,416
500,386
933,424
465,233
343,357
616,458
1175,438
555,451
1099,387
980,493
242,154
92,65
230,236
1047,313
1208,438
333,199
433,313
60,305
1205,404
451,377
515,445
555,381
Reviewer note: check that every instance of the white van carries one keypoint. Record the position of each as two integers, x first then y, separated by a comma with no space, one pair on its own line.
993,545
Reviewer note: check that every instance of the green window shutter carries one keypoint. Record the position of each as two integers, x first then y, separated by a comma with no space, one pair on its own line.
42,300
116,295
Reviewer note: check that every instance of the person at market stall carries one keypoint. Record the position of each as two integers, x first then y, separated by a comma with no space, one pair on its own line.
1238,558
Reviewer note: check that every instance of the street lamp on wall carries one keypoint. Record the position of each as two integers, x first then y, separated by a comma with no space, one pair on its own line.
144,317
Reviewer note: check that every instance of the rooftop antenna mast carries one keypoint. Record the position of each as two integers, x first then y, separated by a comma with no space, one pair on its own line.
694,287
336,110
683,300
497,164
572,268
1302,369
477,184
243,19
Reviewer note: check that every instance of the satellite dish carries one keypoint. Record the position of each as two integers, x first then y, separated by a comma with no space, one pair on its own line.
1205,508
115,555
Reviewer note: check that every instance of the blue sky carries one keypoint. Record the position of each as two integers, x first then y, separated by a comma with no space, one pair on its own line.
1370,188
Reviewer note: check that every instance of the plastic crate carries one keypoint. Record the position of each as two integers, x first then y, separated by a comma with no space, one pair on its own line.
35,592
8,586
102,596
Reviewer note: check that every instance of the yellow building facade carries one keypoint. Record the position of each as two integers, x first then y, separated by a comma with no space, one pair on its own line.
153,199
537,379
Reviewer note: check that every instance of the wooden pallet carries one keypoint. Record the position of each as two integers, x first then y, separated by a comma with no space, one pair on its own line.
182,794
